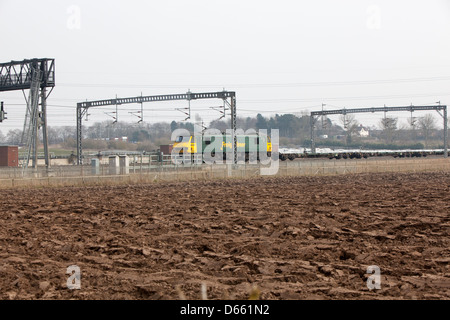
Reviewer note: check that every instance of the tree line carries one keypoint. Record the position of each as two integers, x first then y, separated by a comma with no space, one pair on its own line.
294,131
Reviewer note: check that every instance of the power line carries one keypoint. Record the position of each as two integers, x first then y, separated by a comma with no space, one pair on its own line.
262,85
347,98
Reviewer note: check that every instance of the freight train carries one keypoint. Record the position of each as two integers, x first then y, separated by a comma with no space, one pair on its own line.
253,144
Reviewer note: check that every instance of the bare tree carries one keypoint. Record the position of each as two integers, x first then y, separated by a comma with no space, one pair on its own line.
427,124
350,125
14,136
388,126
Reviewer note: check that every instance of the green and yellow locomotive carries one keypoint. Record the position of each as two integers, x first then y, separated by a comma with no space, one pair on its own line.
246,145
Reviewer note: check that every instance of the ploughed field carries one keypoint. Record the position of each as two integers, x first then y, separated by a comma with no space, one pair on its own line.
279,238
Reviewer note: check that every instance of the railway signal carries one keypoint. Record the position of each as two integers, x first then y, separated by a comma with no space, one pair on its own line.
2,113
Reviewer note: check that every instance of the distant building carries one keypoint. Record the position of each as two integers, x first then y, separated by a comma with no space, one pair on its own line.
125,139
363,132
9,156
166,149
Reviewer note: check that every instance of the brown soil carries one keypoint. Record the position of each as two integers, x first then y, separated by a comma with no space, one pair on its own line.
293,238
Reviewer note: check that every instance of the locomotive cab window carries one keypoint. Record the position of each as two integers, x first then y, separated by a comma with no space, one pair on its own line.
180,139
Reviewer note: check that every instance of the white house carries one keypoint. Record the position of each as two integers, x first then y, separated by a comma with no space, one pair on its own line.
363,132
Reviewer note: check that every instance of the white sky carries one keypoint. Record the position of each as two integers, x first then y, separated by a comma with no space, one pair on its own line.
279,56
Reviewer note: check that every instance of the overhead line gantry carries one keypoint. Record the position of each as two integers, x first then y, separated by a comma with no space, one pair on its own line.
36,75
83,107
385,109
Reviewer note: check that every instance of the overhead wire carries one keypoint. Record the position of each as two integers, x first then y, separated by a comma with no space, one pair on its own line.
53,112
262,85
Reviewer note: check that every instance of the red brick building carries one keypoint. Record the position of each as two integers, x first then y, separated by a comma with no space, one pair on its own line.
9,156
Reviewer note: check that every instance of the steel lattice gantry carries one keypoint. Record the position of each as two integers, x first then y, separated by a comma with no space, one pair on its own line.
18,75
411,108
82,109
36,75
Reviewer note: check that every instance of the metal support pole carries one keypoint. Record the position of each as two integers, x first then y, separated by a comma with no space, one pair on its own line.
44,126
445,133
142,110
35,116
189,98
233,128
117,111
313,142
35,138
79,135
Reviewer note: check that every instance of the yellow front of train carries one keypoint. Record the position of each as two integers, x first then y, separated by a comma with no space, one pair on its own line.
269,145
185,144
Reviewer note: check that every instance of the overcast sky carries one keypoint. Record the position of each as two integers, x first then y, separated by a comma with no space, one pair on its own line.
279,56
